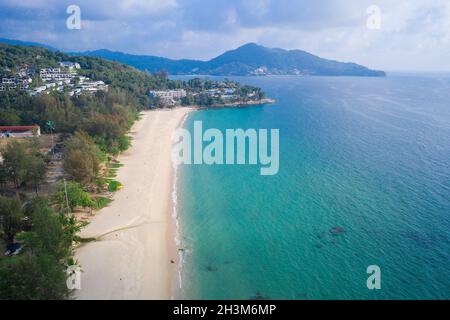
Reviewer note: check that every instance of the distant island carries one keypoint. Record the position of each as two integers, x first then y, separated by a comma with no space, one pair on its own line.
248,60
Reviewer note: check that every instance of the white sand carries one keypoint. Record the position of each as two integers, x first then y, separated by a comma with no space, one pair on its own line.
132,258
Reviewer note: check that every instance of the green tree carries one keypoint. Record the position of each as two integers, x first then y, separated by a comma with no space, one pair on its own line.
9,117
15,162
51,232
47,234
11,217
36,171
32,276
82,158
76,196
23,164
3,176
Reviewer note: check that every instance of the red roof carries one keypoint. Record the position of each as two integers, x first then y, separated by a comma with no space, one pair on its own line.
18,128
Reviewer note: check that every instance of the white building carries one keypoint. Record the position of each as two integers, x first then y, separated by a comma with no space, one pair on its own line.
8,81
49,74
168,96
89,87
36,91
69,65
13,83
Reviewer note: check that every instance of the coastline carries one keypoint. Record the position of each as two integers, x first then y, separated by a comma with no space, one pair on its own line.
174,240
132,258
240,104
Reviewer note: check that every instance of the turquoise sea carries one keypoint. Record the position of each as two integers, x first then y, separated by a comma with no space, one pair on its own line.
368,155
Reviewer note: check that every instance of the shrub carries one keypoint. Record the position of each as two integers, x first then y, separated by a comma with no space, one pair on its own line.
82,158
76,196
114,185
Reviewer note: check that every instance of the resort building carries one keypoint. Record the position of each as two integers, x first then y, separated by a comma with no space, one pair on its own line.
49,74
56,79
36,91
7,84
69,65
20,80
20,131
168,96
89,87
8,81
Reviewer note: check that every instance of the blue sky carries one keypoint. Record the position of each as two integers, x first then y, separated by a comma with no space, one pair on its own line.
413,35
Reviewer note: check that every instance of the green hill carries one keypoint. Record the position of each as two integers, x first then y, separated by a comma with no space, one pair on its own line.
105,115
249,59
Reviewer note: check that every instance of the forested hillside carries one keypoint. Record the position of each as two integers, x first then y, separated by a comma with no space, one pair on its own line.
127,93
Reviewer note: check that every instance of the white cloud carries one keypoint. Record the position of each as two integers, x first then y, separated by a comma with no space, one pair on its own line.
415,34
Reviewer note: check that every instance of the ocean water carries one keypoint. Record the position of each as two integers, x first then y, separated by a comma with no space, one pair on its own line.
368,155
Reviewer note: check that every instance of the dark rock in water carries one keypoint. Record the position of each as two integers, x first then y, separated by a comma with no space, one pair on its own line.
259,296
336,230
321,235
318,246
211,268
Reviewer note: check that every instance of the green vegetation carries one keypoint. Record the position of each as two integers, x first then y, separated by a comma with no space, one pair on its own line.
76,196
32,277
82,158
112,168
105,116
39,271
11,218
101,202
114,185
245,61
22,165
115,165
204,92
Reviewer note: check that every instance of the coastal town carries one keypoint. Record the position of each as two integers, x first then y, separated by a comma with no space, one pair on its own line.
46,80
66,79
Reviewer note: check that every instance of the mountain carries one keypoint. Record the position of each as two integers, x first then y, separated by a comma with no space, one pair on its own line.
253,59
249,59
26,44
146,63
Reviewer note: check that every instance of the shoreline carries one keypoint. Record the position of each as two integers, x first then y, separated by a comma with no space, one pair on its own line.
137,232
240,104
174,236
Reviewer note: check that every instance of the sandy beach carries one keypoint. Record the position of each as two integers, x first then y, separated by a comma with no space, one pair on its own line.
132,257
